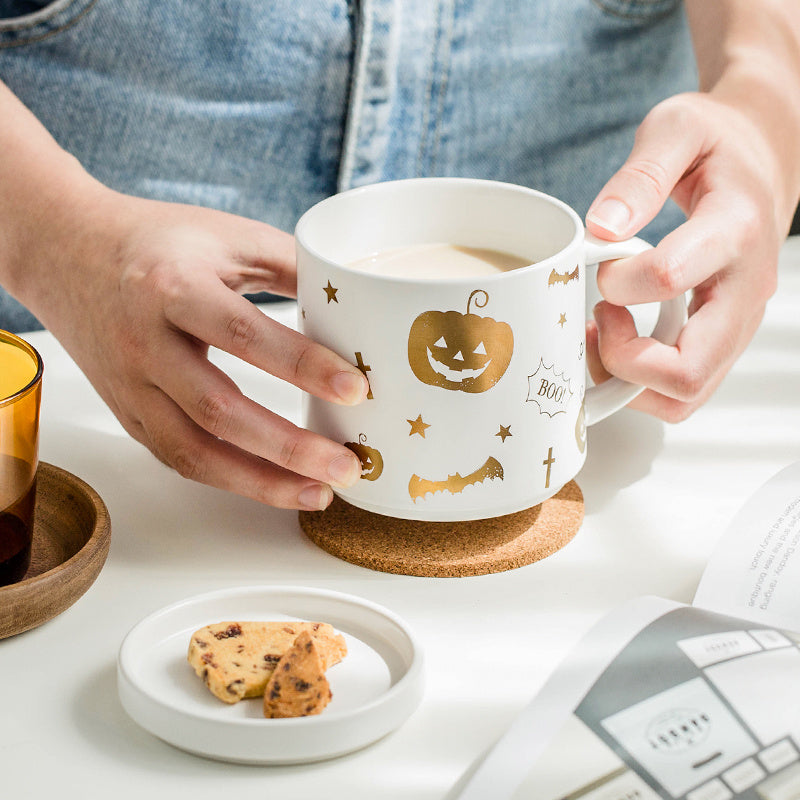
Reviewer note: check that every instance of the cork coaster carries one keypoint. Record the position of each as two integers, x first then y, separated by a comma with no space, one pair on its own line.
446,549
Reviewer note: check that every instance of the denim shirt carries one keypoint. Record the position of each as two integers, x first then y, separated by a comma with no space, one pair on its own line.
262,109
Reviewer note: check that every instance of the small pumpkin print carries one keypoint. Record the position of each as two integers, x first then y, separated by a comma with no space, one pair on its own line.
370,458
460,352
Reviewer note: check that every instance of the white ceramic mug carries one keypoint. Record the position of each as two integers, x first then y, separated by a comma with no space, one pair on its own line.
510,433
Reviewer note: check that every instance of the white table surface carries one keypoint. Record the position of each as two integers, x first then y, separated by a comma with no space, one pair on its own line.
657,499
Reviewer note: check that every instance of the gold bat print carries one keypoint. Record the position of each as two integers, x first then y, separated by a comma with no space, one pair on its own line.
419,487
562,277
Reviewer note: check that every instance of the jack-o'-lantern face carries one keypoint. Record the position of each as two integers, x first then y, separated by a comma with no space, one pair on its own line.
460,352
370,458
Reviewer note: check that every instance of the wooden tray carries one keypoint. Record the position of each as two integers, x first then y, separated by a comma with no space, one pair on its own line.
71,535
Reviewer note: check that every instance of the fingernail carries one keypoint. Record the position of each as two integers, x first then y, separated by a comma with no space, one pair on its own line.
315,498
612,215
344,470
350,387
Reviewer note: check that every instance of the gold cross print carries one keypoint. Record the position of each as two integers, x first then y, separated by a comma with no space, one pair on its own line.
365,368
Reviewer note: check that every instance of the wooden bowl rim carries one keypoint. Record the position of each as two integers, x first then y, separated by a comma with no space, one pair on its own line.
86,562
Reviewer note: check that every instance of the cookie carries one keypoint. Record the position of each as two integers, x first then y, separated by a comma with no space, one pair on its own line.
236,659
298,686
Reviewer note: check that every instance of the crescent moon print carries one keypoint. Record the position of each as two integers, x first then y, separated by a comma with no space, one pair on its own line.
460,352
420,487
580,429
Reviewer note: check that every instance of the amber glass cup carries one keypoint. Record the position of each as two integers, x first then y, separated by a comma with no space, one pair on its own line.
20,398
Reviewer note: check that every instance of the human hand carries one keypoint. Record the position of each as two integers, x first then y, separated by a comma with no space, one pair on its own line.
137,305
717,165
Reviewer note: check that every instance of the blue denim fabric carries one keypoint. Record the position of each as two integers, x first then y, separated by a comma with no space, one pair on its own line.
262,109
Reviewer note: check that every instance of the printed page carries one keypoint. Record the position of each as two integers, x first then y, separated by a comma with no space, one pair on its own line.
754,572
697,706
692,705
663,701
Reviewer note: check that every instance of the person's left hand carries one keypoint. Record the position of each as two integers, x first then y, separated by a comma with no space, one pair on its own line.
719,168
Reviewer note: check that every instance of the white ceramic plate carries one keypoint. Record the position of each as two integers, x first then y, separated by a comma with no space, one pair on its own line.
375,688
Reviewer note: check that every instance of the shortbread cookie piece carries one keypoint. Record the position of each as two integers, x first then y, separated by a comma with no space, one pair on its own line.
236,659
298,686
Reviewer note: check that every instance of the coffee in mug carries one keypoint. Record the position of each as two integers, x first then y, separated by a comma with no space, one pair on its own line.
478,402
438,260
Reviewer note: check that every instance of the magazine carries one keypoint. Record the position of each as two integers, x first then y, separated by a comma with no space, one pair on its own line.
667,701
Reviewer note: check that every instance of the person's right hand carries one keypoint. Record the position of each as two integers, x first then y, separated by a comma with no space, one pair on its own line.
137,295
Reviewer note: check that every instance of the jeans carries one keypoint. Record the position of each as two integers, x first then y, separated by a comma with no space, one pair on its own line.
263,108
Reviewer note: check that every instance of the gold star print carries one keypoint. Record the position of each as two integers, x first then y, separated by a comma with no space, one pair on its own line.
562,320
417,426
504,432
331,292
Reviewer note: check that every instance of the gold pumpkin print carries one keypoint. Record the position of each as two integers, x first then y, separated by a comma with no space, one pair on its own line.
460,352
370,458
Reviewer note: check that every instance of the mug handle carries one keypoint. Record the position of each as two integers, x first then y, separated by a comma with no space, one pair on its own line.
612,395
